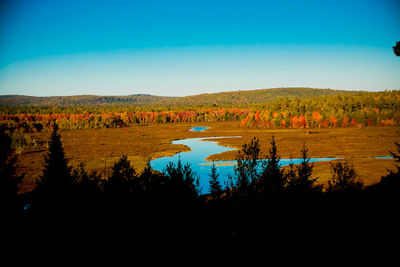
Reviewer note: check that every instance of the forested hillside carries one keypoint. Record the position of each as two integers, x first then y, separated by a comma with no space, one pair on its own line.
80,100
224,98
244,98
360,109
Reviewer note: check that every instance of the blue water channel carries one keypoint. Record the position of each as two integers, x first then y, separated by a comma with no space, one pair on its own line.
200,150
198,129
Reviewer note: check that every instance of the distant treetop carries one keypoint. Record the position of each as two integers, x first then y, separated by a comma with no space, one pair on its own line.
396,49
233,98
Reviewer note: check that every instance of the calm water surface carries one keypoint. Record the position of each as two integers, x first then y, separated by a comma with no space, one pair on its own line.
200,150
198,129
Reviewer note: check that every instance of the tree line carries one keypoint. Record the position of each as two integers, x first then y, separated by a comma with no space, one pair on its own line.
352,110
233,98
157,218
349,110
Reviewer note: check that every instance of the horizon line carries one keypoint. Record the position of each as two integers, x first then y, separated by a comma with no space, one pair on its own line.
206,93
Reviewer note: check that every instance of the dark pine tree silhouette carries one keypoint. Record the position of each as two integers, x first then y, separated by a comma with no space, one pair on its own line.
87,189
215,186
55,185
121,177
119,190
182,181
391,182
9,181
290,174
302,183
344,178
247,165
396,49
272,180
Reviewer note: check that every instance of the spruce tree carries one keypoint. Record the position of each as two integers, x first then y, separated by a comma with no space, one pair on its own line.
9,181
272,180
54,187
215,186
304,170
120,189
303,183
182,181
344,178
396,49
391,181
247,165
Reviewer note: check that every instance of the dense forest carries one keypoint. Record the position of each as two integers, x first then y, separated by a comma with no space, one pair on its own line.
263,213
225,98
79,100
360,109
342,110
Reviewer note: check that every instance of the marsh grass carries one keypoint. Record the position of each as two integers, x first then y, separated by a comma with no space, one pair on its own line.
100,148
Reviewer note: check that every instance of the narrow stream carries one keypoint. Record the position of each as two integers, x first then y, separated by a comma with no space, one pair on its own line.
200,150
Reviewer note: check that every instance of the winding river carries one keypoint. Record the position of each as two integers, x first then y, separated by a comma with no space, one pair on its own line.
200,150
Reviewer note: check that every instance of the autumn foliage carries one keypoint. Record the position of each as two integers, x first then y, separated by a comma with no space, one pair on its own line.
359,110
37,122
349,110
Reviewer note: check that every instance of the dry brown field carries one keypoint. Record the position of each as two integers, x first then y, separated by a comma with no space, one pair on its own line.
99,148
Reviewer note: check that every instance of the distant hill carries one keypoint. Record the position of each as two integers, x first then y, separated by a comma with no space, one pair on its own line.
253,96
79,100
223,98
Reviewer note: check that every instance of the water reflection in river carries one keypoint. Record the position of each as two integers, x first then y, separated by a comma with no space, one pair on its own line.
200,150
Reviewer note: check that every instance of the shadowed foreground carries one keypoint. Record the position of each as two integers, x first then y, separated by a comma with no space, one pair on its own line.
265,214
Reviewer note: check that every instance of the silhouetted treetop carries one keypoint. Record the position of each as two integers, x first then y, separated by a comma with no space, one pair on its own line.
215,186
56,173
247,165
272,180
54,191
391,182
9,181
302,182
344,178
396,49
182,181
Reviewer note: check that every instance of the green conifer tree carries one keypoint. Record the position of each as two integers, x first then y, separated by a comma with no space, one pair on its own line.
396,49
182,181
272,180
247,165
215,186
302,183
55,185
344,178
9,181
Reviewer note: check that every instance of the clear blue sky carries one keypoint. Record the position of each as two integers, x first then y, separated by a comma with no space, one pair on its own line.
189,47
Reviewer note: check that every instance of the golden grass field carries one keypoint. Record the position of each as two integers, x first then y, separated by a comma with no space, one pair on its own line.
99,148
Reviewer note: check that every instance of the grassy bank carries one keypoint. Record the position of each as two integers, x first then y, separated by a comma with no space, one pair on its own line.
99,148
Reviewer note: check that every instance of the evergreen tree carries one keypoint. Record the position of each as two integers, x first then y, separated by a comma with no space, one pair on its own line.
396,49
9,181
278,120
303,183
215,186
182,181
344,178
247,165
272,180
87,185
55,185
391,182
119,187
291,174
121,175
